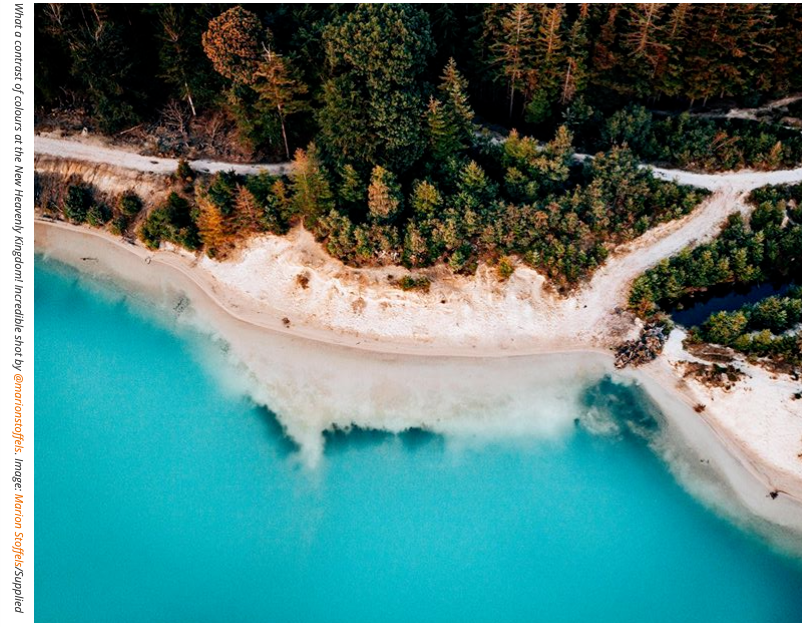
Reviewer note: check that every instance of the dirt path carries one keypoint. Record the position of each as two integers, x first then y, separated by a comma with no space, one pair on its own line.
91,150
609,286
752,114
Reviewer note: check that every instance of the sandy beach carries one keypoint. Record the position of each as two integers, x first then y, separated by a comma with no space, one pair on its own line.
400,378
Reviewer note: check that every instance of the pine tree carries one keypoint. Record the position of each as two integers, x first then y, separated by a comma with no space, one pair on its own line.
376,56
350,190
416,252
278,208
425,200
669,73
575,76
312,197
443,137
184,65
277,87
728,47
101,62
644,46
511,46
544,78
212,228
385,198
247,215
453,90
556,158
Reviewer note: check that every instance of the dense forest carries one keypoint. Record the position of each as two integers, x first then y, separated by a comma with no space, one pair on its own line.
392,116
767,248
359,78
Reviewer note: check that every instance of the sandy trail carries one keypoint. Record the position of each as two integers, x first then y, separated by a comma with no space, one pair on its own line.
92,150
752,113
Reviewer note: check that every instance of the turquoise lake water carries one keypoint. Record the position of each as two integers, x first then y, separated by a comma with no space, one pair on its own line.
162,497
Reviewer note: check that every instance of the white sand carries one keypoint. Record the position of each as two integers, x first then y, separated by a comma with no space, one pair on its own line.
759,415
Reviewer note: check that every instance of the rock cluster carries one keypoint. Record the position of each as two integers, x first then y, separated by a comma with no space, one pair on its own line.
642,350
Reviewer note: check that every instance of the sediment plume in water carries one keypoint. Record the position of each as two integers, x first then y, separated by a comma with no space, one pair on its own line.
314,388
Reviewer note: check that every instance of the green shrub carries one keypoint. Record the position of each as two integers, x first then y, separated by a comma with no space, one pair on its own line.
129,204
119,225
505,268
78,202
98,215
171,222
418,283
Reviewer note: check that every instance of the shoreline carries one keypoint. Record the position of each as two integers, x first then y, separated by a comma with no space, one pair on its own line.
218,310
272,319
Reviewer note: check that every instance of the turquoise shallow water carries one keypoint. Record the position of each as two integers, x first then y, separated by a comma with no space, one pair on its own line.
162,497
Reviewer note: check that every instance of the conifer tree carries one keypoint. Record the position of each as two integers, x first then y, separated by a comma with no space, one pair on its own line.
100,61
385,197
276,86
247,216
212,228
425,200
312,197
184,64
511,47
376,56
443,138
544,78
669,74
278,208
575,76
350,190
453,91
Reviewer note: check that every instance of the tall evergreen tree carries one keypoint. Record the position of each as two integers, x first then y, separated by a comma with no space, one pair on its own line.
443,137
184,65
247,216
385,196
575,77
544,79
453,91
278,88
212,227
376,56
511,46
312,197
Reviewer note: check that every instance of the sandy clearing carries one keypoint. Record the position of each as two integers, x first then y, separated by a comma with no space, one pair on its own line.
759,417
